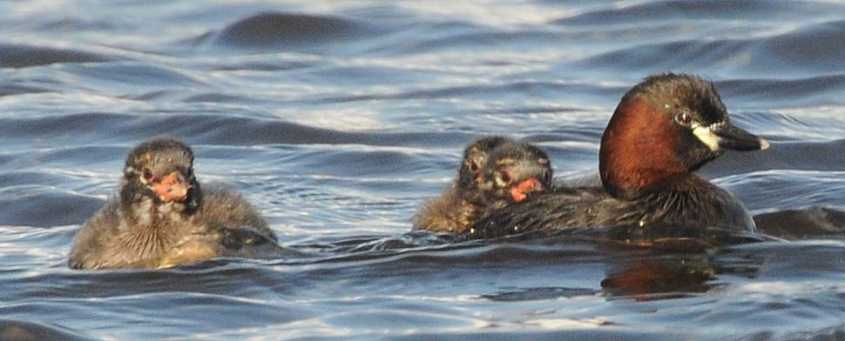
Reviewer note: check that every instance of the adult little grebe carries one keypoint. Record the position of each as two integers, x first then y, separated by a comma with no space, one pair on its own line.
663,130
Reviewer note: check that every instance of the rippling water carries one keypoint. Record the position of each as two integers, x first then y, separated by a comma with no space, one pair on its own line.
337,119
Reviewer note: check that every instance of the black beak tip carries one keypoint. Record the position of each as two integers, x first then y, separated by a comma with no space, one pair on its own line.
738,139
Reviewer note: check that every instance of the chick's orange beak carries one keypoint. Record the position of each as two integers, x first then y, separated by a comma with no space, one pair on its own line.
521,190
172,188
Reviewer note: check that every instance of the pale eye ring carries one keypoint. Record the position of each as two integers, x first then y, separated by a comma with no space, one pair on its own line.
504,177
473,166
683,118
148,175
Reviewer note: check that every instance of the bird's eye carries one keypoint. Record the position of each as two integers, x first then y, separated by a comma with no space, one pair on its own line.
148,175
504,176
473,166
683,118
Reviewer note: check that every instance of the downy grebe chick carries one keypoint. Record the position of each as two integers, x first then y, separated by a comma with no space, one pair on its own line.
513,173
455,209
663,130
161,217
495,172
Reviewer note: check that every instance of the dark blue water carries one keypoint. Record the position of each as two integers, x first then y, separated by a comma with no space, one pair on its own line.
337,119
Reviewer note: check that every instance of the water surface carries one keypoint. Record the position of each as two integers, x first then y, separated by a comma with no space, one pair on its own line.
338,119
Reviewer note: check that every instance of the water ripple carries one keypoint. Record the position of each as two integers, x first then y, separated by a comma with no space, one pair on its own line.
21,56
338,119
275,30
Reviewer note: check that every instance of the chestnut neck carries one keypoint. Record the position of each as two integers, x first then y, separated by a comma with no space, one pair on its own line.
639,150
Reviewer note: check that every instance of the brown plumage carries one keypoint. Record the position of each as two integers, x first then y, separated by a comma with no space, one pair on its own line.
662,131
161,217
494,173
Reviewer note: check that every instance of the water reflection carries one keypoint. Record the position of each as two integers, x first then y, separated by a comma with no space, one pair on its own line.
659,277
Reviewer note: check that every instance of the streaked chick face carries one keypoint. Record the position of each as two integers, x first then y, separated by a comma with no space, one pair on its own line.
515,172
471,174
164,167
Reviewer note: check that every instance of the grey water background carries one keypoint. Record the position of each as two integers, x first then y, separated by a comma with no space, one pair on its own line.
337,119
